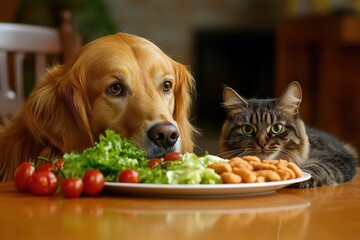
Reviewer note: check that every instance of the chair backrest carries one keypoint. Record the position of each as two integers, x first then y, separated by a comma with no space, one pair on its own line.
19,40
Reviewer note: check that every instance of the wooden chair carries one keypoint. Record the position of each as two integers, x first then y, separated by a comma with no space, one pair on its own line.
20,40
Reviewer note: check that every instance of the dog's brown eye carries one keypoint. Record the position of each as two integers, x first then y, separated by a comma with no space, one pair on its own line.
115,89
167,86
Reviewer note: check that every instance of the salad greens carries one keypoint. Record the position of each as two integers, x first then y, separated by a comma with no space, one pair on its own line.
110,155
113,154
192,169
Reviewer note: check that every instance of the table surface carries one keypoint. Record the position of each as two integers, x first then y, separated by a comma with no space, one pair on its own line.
321,213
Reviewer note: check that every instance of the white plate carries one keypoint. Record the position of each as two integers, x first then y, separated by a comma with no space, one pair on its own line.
201,190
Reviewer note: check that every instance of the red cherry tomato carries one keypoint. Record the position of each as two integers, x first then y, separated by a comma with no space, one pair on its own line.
53,166
93,182
43,183
23,175
59,164
46,166
172,156
72,187
154,162
129,176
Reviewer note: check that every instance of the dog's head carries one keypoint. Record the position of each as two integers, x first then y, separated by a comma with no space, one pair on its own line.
120,82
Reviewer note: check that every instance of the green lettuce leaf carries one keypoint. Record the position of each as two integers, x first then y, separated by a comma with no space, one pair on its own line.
110,155
192,169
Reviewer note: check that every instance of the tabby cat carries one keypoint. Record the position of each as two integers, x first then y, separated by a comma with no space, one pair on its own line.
273,129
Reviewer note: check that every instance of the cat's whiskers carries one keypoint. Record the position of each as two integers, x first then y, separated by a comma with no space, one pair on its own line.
231,153
225,141
198,147
289,155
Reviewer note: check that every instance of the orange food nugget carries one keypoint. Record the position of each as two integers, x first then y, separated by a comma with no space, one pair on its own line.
263,166
298,172
240,163
246,175
284,175
251,159
220,167
268,175
282,163
229,177
292,174
270,161
260,179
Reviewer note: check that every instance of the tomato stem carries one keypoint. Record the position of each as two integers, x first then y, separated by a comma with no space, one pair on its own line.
62,173
43,158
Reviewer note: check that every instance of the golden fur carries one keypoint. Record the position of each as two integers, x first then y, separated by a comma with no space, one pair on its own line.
71,106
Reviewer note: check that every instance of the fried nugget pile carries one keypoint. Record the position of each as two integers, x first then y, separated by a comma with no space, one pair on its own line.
250,169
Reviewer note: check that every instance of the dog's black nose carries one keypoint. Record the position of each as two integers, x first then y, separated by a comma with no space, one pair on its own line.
163,134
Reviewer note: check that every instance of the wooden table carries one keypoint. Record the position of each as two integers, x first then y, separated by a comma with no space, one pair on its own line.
322,213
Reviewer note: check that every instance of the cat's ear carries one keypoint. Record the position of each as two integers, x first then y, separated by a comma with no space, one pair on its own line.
232,100
290,100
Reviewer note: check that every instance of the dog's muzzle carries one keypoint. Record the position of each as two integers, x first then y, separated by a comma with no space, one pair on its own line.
163,135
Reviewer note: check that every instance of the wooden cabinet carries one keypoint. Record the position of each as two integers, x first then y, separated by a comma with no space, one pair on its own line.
323,54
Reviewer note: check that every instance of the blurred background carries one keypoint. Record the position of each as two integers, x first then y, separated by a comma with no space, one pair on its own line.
255,46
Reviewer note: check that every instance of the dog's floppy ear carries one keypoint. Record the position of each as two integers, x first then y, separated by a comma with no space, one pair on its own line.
57,112
184,87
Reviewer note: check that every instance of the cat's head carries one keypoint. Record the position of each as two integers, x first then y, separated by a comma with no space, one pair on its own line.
267,128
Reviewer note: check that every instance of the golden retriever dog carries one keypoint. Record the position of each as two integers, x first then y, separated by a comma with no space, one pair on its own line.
120,82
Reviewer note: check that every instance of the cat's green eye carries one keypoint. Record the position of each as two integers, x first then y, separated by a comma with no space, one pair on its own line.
277,128
247,129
